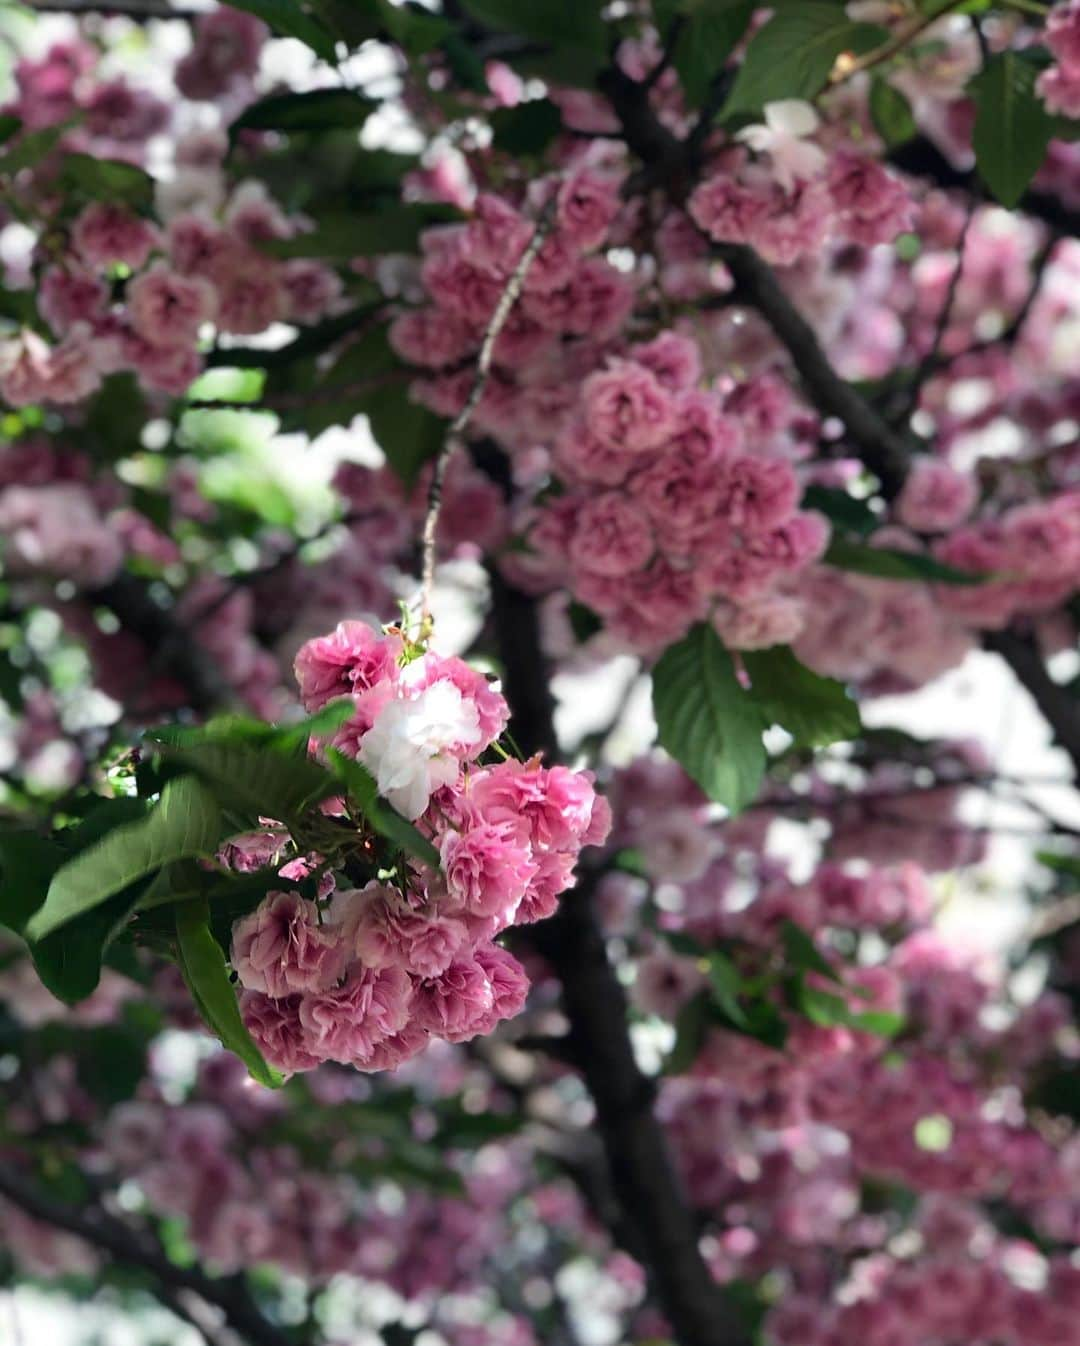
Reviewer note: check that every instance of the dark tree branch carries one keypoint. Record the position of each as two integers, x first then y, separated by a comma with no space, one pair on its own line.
138,10
643,1176
1059,707
882,449
112,1236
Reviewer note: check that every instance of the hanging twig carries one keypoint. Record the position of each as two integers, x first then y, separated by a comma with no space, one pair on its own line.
458,425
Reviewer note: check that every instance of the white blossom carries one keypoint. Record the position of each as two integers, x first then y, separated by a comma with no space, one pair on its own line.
783,137
409,748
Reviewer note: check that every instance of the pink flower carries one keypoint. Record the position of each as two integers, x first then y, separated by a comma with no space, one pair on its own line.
759,494
226,49
432,337
57,530
871,204
312,290
486,870
554,875
70,296
280,948
772,619
507,978
1061,34
587,204
496,236
612,537
347,1023
24,369
168,309
353,659
457,1005
665,982
104,234
935,497
1059,89
726,210
627,407
674,359
385,932
250,294
277,1031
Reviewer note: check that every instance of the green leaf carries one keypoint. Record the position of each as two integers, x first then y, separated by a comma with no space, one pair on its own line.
1061,864
526,129
891,114
815,711
361,788
9,126
854,516
691,1027
395,229
262,779
31,148
709,32
407,433
707,721
314,110
186,823
886,564
827,1010
108,180
202,963
287,18
1012,127
793,54
575,29
27,863
726,983
802,953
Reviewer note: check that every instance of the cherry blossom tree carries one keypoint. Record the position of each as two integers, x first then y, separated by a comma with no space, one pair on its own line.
485,487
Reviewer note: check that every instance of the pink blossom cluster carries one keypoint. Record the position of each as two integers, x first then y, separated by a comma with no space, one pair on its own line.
370,979
1060,84
849,197
670,514
205,267
573,302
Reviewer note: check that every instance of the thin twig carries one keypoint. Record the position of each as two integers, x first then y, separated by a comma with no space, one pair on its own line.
905,34
141,11
503,308
930,360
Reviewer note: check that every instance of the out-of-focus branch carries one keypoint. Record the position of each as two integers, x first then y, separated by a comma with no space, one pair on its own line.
1059,707
110,1235
139,10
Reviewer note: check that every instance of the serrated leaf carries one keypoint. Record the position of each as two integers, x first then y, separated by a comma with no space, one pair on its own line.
262,779
204,969
888,564
361,788
792,55
186,823
815,710
1012,126
891,114
313,110
287,18
707,721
